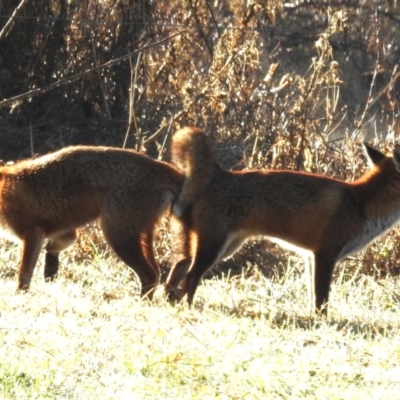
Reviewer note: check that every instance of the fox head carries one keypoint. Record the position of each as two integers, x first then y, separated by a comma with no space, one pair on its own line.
376,157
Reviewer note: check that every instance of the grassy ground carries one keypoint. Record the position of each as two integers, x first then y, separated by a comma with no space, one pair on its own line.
89,336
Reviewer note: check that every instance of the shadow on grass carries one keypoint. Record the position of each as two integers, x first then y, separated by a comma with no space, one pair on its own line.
284,319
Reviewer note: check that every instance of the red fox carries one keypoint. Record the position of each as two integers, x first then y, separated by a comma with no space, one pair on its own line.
327,217
50,196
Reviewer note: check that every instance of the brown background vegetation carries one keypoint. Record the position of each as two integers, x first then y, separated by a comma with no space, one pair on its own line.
296,84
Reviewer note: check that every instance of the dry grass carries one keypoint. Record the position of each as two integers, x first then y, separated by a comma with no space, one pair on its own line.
89,336
268,103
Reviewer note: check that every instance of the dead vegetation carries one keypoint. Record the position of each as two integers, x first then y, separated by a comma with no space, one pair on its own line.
293,85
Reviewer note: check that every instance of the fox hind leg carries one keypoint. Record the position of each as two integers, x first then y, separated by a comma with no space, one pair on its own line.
146,240
53,249
207,254
324,265
135,250
31,246
184,242
176,275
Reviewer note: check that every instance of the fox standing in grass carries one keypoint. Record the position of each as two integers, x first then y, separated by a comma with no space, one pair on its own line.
50,196
327,217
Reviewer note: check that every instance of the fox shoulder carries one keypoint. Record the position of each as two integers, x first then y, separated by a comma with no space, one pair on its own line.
192,153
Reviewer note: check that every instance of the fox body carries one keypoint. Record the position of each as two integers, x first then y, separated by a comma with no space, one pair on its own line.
327,217
50,196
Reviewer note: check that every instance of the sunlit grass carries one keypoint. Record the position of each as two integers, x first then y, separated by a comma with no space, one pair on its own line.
89,336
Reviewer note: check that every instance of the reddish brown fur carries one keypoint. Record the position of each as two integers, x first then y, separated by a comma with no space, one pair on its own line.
327,217
199,171
50,196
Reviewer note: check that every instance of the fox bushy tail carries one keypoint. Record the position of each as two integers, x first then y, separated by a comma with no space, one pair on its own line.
192,153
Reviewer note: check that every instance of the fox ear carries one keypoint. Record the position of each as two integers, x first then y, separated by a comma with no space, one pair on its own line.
375,155
396,157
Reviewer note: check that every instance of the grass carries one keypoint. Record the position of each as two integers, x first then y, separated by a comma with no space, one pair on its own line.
89,336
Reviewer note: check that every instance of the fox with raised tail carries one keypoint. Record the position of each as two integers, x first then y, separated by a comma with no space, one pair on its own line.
50,196
327,217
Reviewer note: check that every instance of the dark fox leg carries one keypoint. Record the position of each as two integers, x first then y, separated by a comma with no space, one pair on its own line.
32,244
148,252
128,246
324,265
176,275
53,249
207,254
183,244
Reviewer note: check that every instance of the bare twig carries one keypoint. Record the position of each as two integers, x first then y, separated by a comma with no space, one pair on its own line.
39,54
99,76
132,111
158,132
31,140
8,26
72,78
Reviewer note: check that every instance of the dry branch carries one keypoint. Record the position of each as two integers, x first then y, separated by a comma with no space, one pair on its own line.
72,78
